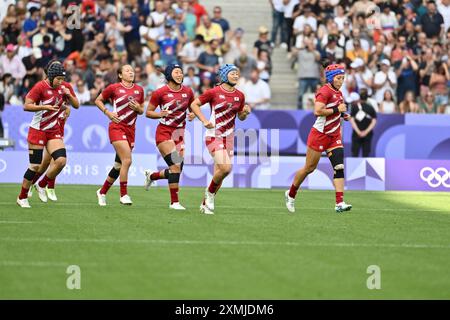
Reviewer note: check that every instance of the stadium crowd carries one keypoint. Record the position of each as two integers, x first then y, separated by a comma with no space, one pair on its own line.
398,54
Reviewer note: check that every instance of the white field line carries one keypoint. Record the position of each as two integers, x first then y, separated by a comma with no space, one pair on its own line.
44,264
94,204
229,243
17,222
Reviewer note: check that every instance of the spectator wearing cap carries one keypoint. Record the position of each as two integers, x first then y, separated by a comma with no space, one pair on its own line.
308,72
385,79
432,22
12,64
208,61
263,42
363,76
30,26
234,46
190,52
257,92
363,120
210,30
168,45
278,21
217,18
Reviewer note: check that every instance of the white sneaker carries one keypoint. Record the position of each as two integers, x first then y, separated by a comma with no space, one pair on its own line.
283,45
177,206
41,193
101,198
51,194
148,181
290,202
126,200
341,207
30,191
209,200
23,203
204,209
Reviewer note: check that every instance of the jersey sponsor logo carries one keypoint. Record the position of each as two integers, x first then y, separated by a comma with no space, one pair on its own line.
124,136
50,92
136,91
221,96
184,95
321,147
435,178
170,95
57,135
236,98
121,91
41,141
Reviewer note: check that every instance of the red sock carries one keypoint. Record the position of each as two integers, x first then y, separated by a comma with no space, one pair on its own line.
218,187
173,195
36,177
213,187
105,187
51,183
156,176
293,191
123,188
339,197
44,181
23,193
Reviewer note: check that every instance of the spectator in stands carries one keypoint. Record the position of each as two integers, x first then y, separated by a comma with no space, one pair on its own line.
308,70
132,37
358,52
356,36
363,120
443,7
207,81
12,64
385,79
7,87
246,64
210,30
289,16
2,107
407,72
409,105
387,105
363,76
190,53
189,18
257,92
38,38
198,10
278,22
428,104
432,22
388,20
31,25
308,33
82,92
439,80
114,30
48,51
264,65
208,61
234,46
34,66
332,52
191,80
224,24
169,45
377,56
263,42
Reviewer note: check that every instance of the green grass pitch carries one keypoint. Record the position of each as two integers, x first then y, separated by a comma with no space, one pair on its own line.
251,248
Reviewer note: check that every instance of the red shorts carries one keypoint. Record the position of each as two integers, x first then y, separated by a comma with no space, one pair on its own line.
118,132
166,133
216,144
320,142
40,137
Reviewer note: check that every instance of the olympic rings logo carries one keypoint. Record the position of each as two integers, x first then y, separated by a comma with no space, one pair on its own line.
435,178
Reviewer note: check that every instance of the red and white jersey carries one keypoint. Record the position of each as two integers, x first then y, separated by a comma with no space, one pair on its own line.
120,96
331,98
176,102
43,94
225,106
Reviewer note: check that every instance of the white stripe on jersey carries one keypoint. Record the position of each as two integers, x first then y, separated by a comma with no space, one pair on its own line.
52,124
132,121
220,125
122,107
52,114
332,120
167,105
170,121
118,100
334,129
220,105
332,104
124,116
227,133
47,101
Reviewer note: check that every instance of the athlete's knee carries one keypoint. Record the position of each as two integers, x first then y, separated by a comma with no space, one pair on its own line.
336,157
126,161
173,158
310,168
117,165
225,169
176,168
59,157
